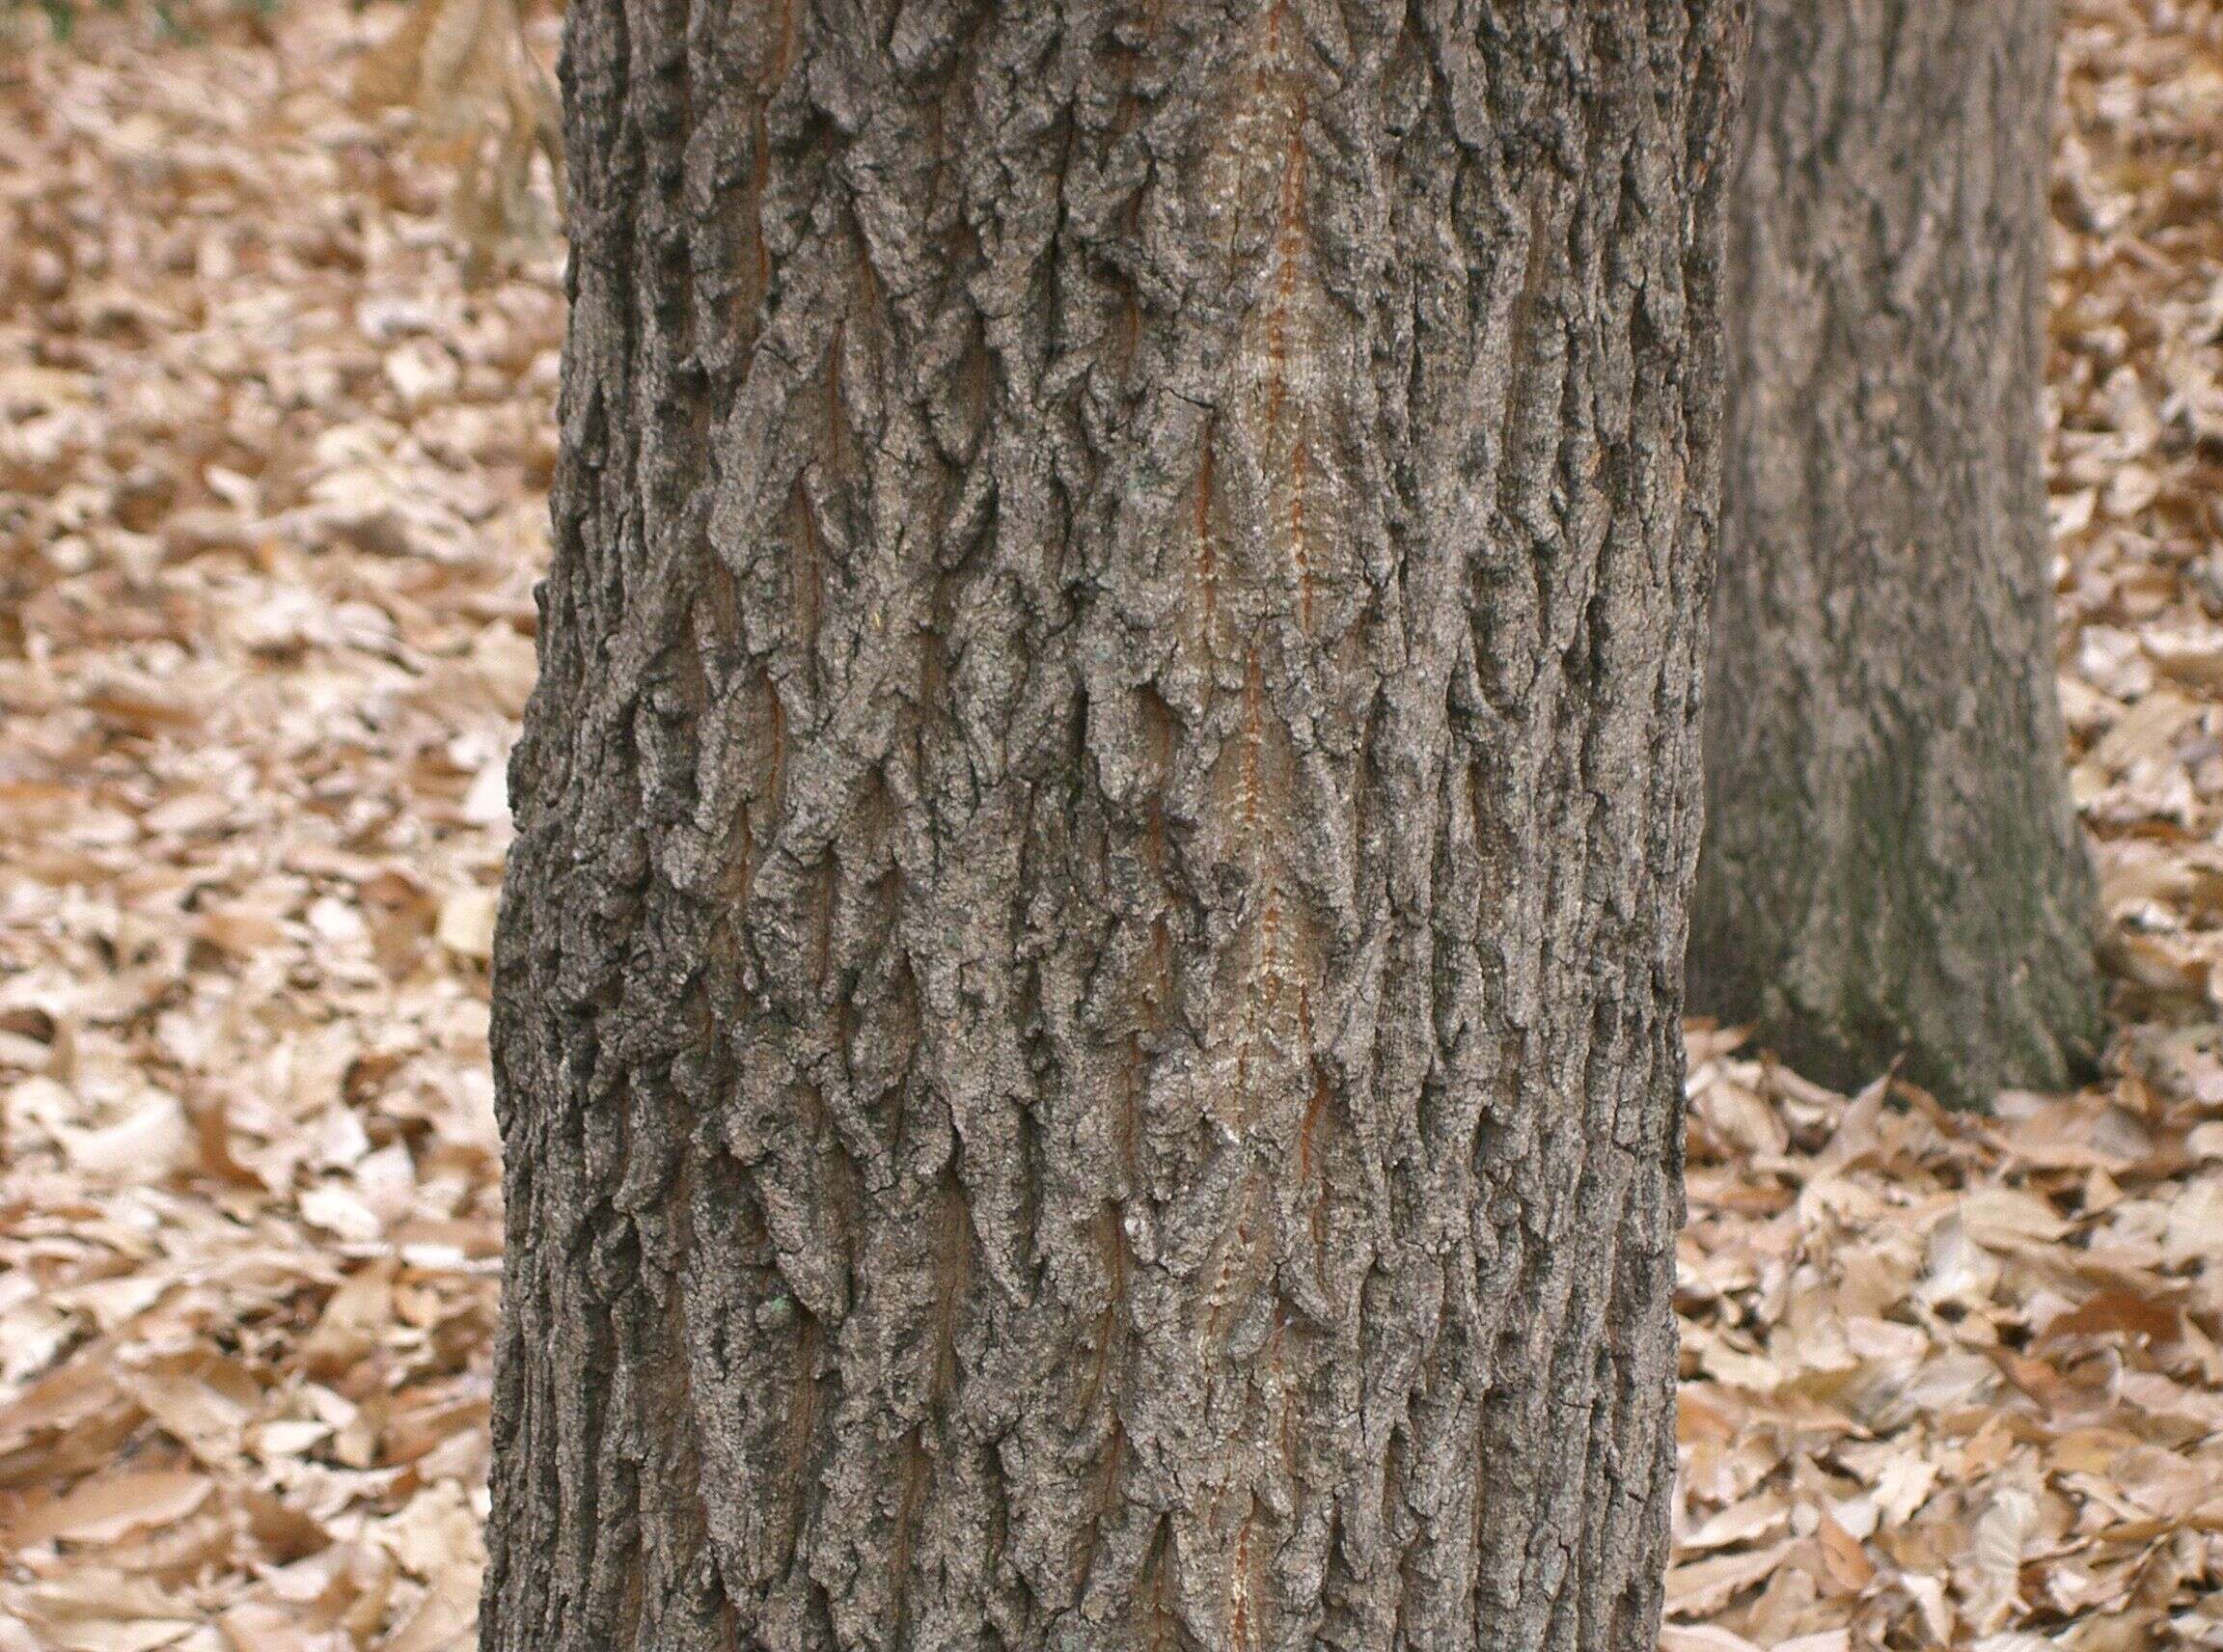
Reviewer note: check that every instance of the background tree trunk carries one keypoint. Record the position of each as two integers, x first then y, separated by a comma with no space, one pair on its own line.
1088,998
1892,861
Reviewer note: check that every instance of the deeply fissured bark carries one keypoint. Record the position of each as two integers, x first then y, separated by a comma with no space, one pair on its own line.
1892,863
1087,1003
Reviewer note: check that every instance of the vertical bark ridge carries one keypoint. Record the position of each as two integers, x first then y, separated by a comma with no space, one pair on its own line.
1087,1018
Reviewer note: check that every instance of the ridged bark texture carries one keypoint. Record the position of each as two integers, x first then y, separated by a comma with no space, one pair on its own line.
1893,865
1087,1005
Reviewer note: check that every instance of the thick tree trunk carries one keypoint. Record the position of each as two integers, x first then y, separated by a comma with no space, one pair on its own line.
1088,998
1892,863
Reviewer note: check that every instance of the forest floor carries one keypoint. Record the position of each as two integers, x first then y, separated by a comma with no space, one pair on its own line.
271,504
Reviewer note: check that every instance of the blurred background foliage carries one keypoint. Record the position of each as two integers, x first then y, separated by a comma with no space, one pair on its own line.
482,103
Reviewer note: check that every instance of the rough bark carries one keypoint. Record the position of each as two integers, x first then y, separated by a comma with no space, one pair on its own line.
1892,864
1086,1003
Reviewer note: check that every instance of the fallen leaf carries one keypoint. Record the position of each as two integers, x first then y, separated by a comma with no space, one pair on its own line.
102,1510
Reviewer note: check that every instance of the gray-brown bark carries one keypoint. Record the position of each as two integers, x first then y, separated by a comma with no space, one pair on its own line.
1086,1013
1892,863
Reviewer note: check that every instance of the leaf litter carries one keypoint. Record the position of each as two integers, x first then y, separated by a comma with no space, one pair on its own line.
278,351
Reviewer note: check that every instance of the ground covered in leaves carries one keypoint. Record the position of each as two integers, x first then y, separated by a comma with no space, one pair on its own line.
271,485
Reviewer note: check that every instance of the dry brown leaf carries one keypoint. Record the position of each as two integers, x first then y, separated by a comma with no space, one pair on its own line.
1995,1548
2119,1310
102,1510
1697,1588
354,1321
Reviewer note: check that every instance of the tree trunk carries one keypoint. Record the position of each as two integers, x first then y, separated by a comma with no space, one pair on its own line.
1086,1007
1892,862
